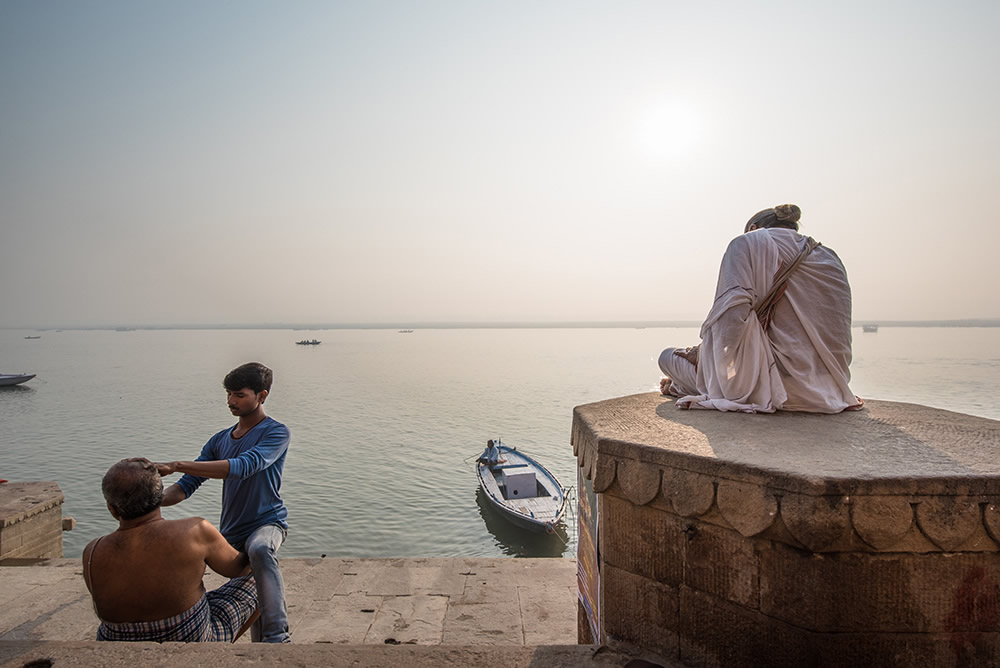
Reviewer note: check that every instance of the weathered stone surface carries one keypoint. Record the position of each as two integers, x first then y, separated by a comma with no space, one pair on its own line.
604,471
887,448
171,655
691,494
948,521
991,517
642,540
722,563
892,593
882,521
816,521
490,601
415,619
717,633
639,481
750,509
803,533
639,611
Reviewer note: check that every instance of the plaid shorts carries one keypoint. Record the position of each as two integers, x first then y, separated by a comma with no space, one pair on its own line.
216,617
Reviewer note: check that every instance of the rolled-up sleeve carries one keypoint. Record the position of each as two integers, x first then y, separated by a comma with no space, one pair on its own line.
270,448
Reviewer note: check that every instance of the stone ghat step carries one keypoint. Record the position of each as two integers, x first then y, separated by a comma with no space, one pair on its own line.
20,654
456,602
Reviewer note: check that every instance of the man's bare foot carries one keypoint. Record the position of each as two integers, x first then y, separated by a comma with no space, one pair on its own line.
665,386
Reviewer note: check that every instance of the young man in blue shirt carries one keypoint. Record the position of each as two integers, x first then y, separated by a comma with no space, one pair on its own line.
249,458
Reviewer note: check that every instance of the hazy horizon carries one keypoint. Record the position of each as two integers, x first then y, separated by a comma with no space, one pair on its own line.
405,162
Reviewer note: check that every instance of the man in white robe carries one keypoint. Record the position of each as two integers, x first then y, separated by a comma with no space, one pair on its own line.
798,361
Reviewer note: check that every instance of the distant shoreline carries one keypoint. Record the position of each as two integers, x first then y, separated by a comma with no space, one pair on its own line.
404,325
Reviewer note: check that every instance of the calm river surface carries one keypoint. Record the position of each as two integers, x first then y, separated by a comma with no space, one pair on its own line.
385,425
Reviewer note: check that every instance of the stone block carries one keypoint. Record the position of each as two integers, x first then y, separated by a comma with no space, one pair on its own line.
642,540
416,620
547,614
906,650
483,624
721,562
714,632
639,611
898,593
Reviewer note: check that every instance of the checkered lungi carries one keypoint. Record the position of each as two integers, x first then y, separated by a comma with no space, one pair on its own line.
216,617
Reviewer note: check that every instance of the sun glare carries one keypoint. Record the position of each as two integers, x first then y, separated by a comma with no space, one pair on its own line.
669,129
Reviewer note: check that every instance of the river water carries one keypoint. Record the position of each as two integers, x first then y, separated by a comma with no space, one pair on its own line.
385,425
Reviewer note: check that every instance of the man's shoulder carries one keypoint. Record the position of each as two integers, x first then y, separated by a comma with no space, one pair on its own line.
272,426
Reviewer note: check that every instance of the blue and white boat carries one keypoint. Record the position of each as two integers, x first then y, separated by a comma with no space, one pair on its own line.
521,489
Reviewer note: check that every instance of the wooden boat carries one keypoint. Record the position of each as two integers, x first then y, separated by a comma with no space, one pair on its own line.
522,490
308,342
15,378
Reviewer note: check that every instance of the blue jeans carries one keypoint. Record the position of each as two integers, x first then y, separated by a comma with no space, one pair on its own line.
261,546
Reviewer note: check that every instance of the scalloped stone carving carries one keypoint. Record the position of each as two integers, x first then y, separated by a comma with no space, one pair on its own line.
639,481
750,509
948,521
991,516
691,493
816,521
603,473
881,521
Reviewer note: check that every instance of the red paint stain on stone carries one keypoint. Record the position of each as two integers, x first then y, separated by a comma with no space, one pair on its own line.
975,608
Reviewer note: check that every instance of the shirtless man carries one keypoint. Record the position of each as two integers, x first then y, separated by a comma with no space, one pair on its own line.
146,578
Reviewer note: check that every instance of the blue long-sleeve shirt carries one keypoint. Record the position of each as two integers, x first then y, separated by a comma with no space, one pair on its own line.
250,493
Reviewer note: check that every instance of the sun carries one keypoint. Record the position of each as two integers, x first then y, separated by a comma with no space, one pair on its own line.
669,129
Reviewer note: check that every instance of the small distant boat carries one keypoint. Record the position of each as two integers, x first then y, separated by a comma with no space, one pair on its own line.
15,378
33,337
522,490
308,342
405,331
869,328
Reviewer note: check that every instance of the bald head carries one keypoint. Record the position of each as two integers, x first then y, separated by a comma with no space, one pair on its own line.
132,488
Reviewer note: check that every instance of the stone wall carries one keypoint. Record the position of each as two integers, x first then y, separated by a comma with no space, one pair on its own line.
31,522
789,540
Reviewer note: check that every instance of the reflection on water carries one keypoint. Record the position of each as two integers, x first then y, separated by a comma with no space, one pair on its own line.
514,541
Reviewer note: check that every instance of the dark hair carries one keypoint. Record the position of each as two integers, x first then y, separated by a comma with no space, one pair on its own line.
133,488
783,215
254,375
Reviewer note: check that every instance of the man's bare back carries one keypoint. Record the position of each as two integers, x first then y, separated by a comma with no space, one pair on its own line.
151,568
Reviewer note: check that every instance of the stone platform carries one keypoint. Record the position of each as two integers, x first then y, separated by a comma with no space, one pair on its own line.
865,538
345,601
342,612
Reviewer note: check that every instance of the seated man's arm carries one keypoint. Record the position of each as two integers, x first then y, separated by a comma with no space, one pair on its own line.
220,556
173,495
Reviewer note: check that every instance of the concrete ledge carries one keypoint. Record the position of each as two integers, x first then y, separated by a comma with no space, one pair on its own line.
73,655
31,522
518,602
892,477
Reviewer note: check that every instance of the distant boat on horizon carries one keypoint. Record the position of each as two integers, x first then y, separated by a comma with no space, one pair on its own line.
869,328
33,337
405,331
308,342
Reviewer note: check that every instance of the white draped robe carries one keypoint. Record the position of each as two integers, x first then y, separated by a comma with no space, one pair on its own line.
801,362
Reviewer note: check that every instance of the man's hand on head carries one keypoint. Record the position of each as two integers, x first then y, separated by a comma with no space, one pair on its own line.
166,468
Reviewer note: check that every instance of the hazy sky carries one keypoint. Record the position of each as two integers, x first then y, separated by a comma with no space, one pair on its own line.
249,162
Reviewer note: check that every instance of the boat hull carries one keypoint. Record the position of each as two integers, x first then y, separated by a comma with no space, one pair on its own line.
540,513
7,379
